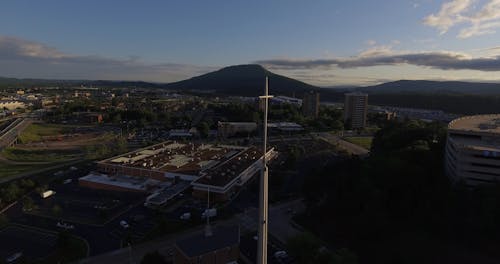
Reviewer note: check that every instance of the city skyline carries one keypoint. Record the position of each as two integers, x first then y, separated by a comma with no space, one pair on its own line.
321,43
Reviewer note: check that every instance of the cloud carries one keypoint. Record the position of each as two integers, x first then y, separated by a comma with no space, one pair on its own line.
371,42
449,15
438,60
452,13
24,58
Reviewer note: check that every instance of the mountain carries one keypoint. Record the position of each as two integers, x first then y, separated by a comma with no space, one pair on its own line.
245,80
435,87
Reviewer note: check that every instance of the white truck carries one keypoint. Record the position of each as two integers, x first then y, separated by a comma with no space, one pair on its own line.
47,194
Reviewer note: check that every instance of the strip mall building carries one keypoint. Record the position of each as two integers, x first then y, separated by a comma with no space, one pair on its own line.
220,169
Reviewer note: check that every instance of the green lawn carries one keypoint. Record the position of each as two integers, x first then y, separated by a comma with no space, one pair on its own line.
35,132
9,169
365,142
16,154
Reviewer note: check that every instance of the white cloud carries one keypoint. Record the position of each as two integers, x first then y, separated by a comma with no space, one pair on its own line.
450,14
484,21
371,42
28,59
385,56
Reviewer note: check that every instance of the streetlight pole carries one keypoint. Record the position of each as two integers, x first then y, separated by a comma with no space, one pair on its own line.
263,199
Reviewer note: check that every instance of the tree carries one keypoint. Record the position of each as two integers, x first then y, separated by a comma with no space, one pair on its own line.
308,250
203,128
3,220
27,183
63,239
56,210
10,193
153,258
28,203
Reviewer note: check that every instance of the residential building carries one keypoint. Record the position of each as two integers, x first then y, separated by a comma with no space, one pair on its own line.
355,109
310,104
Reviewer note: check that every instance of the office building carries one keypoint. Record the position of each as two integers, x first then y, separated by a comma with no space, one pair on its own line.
473,150
355,109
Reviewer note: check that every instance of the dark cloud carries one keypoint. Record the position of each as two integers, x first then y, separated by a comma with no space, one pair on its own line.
23,58
438,60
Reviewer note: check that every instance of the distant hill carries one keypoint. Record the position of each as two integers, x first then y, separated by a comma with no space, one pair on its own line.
441,87
27,83
245,80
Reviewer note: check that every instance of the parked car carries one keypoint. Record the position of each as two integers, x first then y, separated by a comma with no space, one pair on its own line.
185,216
65,225
124,224
67,181
12,258
280,254
209,213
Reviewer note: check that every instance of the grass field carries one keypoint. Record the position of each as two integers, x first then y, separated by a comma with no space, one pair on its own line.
35,132
10,169
16,154
365,142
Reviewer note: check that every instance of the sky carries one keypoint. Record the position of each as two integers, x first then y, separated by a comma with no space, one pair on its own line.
324,43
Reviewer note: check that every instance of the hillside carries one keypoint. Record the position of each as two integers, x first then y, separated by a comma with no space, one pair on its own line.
247,80
441,87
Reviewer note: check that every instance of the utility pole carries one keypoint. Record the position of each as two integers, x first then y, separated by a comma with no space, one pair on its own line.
263,199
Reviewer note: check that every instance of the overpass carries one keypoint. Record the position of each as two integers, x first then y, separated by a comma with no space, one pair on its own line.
9,135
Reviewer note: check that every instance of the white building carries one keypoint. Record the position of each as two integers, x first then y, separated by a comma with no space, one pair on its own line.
11,104
473,149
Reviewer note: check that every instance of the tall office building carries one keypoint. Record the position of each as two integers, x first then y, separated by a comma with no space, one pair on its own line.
355,108
310,104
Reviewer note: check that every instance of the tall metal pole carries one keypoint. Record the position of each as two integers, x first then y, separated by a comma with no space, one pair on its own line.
263,199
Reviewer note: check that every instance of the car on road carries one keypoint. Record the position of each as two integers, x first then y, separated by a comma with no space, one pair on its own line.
67,181
280,254
65,225
124,224
12,258
185,216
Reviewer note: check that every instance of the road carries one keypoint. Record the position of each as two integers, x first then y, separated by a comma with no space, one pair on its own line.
280,219
351,148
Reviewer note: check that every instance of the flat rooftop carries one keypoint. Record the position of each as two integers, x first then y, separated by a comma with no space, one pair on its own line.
232,168
171,156
477,123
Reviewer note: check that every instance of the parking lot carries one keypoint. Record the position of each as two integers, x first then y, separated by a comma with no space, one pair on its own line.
32,243
83,205
248,247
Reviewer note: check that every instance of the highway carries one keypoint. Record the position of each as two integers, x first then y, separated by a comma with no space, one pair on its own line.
351,148
10,133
